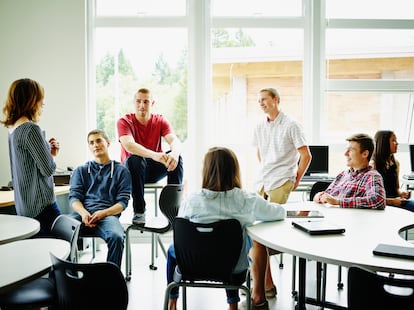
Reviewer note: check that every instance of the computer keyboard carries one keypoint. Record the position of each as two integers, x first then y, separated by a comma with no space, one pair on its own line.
316,178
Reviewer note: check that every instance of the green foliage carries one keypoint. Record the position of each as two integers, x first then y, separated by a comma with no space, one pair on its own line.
106,68
169,85
222,38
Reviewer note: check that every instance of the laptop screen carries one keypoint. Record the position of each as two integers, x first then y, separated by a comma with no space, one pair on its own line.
320,160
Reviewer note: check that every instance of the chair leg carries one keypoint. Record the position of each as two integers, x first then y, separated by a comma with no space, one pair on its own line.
127,255
294,292
184,297
281,261
340,284
324,276
93,248
318,280
153,249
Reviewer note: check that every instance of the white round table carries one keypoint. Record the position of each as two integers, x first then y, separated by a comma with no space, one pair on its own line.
365,229
24,260
15,227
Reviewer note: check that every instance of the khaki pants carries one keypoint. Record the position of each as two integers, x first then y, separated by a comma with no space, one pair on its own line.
278,195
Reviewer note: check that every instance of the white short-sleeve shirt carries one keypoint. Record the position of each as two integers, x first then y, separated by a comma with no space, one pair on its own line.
278,142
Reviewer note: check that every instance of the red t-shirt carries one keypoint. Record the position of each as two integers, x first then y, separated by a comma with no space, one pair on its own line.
148,135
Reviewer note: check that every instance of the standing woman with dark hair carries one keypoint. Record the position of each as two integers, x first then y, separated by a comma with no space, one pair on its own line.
384,162
222,197
31,156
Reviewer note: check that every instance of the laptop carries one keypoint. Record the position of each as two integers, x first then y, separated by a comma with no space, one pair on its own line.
394,251
318,227
304,214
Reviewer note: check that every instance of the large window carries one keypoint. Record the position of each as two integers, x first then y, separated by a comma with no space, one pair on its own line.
339,69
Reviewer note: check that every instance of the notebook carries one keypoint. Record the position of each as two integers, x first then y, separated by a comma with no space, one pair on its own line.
394,251
303,213
318,227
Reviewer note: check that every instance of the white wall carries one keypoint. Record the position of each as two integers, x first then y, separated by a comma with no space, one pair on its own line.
46,40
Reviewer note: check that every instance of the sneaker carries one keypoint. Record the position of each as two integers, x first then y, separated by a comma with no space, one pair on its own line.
262,306
271,292
138,219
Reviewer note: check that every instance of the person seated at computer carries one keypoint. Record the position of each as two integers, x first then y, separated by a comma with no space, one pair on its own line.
99,191
387,165
360,186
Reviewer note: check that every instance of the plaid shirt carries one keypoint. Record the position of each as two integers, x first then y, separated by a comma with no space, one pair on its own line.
359,189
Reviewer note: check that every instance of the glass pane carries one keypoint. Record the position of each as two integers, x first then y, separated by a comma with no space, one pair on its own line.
370,9
159,65
140,8
256,8
370,54
243,62
349,113
366,112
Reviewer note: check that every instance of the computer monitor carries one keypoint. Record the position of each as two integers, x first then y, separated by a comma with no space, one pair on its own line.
320,160
412,157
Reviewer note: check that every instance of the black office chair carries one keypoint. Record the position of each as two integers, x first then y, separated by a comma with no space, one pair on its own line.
41,292
317,187
369,290
206,256
89,286
169,203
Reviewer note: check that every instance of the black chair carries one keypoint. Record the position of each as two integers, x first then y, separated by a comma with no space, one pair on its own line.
41,292
89,286
206,256
369,290
169,203
317,187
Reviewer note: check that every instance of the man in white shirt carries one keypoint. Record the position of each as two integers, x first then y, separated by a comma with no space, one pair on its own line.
280,144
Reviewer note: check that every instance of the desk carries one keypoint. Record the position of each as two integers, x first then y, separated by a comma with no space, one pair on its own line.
24,260
7,197
15,227
364,230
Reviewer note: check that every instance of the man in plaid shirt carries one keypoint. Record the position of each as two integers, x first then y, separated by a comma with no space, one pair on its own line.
360,186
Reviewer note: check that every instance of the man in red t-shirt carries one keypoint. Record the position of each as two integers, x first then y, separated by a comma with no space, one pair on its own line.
140,136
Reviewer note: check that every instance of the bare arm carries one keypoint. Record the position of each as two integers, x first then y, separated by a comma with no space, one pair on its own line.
173,156
90,219
304,161
135,148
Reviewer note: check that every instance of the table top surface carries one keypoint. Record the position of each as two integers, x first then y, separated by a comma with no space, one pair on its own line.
7,197
365,229
24,260
15,227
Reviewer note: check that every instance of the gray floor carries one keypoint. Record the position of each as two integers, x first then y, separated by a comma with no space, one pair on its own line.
147,287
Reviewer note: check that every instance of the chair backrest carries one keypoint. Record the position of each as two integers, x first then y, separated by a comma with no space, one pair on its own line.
207,251
369,290
170,200
89,286
67,228
317,187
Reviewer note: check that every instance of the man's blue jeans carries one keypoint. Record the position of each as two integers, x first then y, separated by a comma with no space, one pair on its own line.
145,170
46,219
109,229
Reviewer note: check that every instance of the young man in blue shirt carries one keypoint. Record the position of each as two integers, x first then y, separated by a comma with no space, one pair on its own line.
99,192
